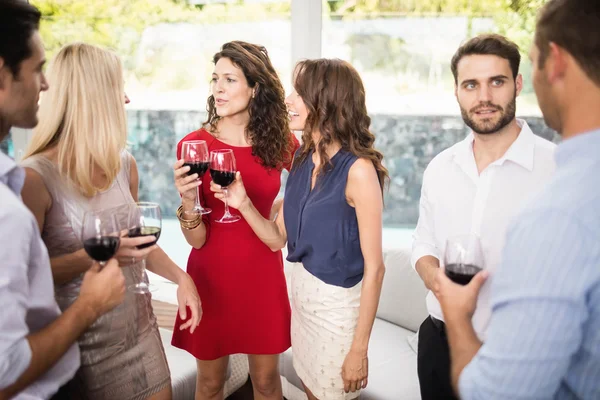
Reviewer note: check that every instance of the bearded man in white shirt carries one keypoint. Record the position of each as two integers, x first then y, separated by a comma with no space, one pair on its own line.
475,187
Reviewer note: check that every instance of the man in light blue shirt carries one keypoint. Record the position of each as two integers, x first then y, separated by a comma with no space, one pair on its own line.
38,350
543,340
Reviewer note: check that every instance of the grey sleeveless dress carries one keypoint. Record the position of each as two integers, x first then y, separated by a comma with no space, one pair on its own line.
122,357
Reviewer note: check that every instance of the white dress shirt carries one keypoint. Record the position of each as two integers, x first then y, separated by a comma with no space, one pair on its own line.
456,199
26,291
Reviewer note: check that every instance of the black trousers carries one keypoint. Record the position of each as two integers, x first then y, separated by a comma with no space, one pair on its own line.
433,362
64,393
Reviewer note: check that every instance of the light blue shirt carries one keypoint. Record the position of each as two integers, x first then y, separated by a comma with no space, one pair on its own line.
27,302
544,336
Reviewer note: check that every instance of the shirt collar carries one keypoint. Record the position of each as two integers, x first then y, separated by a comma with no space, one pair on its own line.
11,174
584,145
521,151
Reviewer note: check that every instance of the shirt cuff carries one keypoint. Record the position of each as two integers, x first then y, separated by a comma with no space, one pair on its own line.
14,362
423,250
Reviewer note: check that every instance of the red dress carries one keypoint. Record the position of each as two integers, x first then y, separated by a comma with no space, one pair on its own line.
239,279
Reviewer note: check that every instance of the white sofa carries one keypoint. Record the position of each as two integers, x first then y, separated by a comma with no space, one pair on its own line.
183,370
392,349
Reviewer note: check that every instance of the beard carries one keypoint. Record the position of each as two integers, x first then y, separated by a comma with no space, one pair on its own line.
489,126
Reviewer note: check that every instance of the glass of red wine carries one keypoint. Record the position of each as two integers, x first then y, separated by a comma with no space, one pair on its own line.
100,235
222,172
196,156
463,258
144,220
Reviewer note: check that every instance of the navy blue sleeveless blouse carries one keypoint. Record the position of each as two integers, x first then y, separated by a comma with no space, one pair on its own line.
322,229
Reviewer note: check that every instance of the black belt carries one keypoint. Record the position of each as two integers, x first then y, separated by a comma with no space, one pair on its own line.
438,323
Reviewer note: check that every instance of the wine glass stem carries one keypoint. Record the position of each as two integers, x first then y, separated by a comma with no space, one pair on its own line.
226,204
141,271
198,206
102,264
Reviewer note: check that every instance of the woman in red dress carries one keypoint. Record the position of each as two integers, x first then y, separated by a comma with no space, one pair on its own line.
239,279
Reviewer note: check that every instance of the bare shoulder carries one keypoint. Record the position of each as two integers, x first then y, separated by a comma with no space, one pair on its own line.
363,184
132,162
35,193
362,169
34,182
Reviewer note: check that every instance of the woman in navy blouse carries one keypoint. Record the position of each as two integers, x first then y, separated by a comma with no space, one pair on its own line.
332,223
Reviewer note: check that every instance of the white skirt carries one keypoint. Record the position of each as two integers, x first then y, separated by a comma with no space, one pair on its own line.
324,319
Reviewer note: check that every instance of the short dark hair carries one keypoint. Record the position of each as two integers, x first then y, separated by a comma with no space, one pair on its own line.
488,44
573,25
18,21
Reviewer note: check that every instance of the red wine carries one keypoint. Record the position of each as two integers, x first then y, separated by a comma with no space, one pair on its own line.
145,231
102,248
199,168
222,178
461,273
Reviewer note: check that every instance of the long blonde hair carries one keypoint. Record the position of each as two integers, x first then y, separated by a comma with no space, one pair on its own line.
83,115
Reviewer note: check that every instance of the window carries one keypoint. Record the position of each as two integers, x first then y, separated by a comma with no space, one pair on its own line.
401,48
403,54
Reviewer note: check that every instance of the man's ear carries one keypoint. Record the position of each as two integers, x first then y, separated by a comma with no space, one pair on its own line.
519,84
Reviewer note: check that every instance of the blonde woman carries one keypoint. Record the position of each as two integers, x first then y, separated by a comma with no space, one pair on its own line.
77,162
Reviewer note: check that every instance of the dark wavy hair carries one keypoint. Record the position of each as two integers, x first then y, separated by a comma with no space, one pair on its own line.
334,96
268,129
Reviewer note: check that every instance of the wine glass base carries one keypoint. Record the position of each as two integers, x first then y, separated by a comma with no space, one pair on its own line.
202,211
228,219
141,288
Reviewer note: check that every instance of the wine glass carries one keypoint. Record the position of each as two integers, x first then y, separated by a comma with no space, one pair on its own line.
196,156
463,258
222,172
144,220
100,235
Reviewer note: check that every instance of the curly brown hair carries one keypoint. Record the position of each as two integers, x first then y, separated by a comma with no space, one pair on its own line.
334,96
268,129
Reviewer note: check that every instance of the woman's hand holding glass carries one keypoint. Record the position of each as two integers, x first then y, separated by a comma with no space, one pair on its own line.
236,192
129,253
186,184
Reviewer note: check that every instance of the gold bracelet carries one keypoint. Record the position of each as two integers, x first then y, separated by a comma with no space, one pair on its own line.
188,224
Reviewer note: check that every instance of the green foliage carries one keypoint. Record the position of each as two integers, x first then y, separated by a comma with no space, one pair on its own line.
115,24
118,24
465,7
518,21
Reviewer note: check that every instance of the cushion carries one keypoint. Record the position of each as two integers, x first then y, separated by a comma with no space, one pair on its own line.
182,366
392,365
402,300
183,370
237,373
291,392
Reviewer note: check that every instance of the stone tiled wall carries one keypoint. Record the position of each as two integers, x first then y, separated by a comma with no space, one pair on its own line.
407,142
